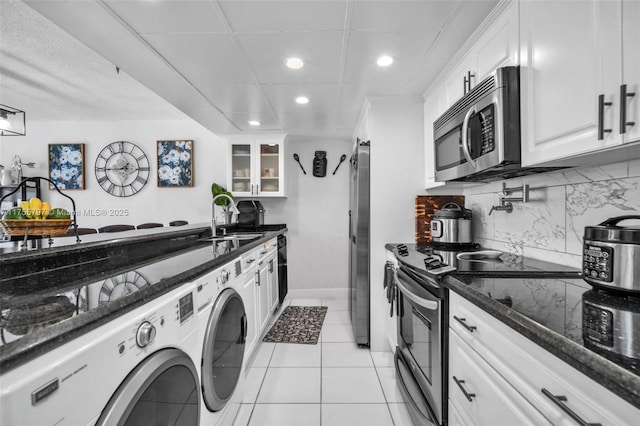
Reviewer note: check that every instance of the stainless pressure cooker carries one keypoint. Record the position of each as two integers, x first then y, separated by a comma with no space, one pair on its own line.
451,225
611,255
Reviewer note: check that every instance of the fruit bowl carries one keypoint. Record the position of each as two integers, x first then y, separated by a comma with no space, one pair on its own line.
43,227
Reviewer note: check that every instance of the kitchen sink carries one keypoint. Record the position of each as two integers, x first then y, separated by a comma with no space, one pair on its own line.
240,236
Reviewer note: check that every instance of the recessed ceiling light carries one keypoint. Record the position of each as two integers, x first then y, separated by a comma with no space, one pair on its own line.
385,61
302,100
254,123
295,63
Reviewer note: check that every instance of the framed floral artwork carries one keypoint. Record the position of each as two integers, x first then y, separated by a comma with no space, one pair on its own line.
175,163
66,165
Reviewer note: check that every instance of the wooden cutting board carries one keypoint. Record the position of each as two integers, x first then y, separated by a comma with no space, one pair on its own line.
425,206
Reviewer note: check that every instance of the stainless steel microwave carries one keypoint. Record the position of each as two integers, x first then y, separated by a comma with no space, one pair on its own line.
478,138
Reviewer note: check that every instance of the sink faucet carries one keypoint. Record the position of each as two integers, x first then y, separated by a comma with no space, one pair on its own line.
234,209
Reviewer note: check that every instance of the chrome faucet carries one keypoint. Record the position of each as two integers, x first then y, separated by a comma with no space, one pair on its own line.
234,209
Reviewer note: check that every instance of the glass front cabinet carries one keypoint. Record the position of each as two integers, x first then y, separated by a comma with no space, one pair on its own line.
256,167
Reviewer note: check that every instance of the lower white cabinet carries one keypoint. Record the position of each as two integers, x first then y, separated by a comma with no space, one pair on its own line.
247,293
520,378
480,395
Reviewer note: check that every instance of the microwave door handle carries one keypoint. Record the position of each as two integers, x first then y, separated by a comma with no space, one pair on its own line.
465,138
427,304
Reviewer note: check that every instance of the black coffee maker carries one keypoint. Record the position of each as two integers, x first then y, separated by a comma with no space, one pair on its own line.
251,214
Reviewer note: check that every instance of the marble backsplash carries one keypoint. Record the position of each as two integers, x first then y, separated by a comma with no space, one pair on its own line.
551,225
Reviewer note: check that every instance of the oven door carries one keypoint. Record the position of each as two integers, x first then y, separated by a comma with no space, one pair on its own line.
419,360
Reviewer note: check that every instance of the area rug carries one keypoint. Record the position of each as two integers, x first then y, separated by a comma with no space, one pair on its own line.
297,324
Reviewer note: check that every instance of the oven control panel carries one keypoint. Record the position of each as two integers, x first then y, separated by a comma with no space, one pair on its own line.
597,262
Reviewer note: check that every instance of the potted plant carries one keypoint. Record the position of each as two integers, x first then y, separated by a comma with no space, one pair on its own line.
222,202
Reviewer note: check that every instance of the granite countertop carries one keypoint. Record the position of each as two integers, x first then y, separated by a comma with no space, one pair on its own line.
548,312
77,272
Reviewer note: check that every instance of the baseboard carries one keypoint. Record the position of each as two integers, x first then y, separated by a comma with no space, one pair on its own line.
317,293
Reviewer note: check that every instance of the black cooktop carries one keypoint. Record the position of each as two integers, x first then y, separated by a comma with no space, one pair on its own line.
471,259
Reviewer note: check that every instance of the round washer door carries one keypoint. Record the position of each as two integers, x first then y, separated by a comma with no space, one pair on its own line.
223,349
162,390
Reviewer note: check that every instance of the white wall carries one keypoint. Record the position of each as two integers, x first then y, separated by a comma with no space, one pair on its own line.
316,214
397,176
151,204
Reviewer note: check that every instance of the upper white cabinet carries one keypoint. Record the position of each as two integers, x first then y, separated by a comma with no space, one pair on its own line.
491,47
571,74
631,69
256,167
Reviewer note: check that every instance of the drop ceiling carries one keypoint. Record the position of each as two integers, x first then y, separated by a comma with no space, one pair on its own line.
222,63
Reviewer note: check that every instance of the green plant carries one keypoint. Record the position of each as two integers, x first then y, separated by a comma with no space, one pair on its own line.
217,190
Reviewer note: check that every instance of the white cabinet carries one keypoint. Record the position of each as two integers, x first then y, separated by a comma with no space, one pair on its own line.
256,167
631,69
493,46
265,282
272,261
480,395
571,74
431,112
512,368
247,293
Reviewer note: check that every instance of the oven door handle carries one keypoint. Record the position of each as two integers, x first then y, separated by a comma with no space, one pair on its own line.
465,137
427,304
404,390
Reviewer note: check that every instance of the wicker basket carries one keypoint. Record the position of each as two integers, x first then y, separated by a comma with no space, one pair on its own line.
51,227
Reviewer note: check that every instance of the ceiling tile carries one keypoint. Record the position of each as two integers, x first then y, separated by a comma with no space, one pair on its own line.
249,16
347,120
166,17
295,121
403,16
206,60
321,52
407,50
321,97
237,98
353,94
268,121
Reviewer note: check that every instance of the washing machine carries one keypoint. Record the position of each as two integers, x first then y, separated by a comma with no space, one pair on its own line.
138,369
222,332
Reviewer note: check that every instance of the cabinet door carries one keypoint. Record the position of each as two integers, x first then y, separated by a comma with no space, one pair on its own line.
431,112
247,293
270,160
455,85
570,54
263,301
631,66
273,282
241,168
480,395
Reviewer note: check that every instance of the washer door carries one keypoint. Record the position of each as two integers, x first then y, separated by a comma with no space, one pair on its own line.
161,390
223,349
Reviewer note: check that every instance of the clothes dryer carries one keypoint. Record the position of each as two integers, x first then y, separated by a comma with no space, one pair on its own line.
222,332
138,369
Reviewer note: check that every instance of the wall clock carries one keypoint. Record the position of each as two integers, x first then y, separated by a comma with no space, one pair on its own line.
122,168
121,285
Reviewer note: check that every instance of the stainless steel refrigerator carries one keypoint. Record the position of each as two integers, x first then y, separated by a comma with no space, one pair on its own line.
359,242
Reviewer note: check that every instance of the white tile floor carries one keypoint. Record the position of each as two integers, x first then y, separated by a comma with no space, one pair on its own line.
330,384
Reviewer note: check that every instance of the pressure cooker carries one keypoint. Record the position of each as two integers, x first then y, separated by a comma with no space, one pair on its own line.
611,255
451,225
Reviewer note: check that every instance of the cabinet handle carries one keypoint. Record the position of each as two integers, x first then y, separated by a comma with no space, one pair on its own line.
469,75
464,85
468,395
601,129
559,401
258,278
623,108
464,324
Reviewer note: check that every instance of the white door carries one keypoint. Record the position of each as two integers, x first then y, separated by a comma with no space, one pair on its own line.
631,67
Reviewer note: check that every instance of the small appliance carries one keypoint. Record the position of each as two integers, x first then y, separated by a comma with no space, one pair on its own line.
451,225
251,214
611,255
478,137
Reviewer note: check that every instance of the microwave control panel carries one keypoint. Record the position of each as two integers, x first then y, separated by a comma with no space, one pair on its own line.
487,131
598,262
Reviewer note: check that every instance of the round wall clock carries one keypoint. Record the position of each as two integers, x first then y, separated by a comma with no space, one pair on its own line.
122,168
121,285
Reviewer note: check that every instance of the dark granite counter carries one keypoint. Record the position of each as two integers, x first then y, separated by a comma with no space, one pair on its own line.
52,295
549,312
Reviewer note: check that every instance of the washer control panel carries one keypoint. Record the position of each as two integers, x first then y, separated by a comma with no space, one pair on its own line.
146,334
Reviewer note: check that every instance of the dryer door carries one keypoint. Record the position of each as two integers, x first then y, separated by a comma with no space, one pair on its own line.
223,349
163,389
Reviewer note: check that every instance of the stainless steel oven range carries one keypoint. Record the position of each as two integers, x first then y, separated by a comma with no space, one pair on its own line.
420,358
